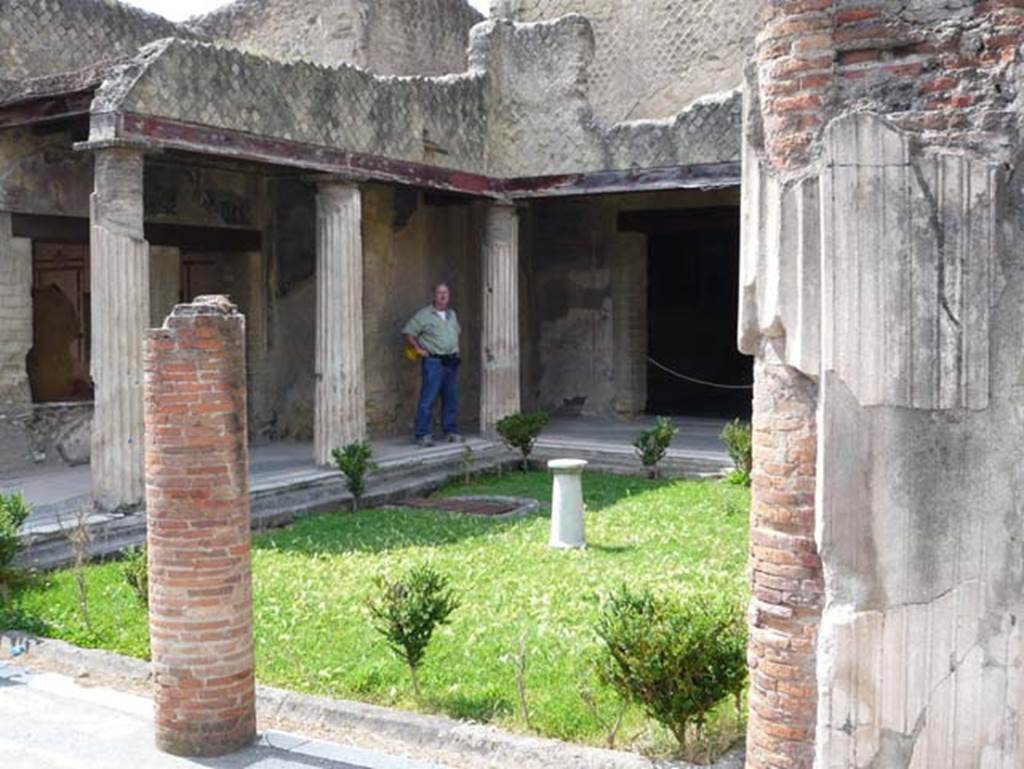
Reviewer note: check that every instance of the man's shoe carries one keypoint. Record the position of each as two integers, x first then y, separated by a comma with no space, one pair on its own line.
425,442
454,438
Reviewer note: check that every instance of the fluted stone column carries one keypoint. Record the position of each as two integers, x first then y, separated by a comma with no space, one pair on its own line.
340,410
499,388
119,269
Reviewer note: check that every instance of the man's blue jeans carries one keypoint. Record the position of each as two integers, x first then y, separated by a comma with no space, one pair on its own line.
439,378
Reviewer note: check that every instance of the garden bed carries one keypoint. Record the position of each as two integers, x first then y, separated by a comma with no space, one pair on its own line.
311,582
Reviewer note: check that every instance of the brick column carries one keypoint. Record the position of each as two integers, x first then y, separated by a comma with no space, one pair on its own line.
796,57
785,571
499,387
197,501
340,401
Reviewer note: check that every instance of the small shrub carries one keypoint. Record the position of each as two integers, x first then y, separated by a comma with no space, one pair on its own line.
520,431
651,445
468,460
14,511
80,538
355,461
675,659
408,610
737,439
135,570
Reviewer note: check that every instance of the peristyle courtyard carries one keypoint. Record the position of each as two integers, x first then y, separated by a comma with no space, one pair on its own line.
312,579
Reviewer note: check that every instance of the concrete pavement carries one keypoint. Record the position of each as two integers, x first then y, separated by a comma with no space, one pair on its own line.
48,721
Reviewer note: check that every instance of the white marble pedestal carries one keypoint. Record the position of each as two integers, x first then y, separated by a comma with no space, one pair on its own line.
567,504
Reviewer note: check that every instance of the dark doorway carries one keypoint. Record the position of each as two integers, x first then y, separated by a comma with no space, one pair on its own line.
693,296
58,363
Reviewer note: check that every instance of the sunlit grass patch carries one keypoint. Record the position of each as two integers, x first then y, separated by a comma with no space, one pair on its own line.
312,580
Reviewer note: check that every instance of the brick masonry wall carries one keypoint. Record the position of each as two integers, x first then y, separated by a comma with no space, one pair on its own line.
200,589
939,70
785,571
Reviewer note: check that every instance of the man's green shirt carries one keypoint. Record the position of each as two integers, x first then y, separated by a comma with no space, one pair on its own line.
438,336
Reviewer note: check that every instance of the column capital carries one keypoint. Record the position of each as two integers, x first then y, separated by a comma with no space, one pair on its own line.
327,182
506,205
117,198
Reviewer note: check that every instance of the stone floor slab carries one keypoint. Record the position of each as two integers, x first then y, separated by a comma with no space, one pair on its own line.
48,721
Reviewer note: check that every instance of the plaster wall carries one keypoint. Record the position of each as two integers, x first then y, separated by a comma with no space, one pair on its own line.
587,323
651,59
411,241
40,175
15,342
881,198
917,307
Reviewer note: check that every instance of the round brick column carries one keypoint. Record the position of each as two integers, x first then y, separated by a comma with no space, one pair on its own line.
785,571
197,502
795,63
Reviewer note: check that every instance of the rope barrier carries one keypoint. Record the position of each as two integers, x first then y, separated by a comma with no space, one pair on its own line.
694,380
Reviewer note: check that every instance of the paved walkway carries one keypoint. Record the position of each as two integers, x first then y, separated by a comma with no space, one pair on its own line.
47,721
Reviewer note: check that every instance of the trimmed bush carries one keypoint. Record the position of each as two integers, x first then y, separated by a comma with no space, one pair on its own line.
676,659
737,439
135,570
355,461
408,610
14,511
652,445
520,431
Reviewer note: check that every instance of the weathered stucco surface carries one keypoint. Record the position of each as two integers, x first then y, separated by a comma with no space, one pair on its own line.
16,321
410,37
921,434
495,119
653,58
43,37
922,501
881,196
586,338
410,242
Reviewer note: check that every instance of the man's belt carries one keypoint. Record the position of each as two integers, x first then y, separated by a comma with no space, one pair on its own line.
447,359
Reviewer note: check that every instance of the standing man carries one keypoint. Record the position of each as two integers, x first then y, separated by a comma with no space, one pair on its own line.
433,333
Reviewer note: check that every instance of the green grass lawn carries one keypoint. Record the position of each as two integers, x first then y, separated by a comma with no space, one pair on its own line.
312,580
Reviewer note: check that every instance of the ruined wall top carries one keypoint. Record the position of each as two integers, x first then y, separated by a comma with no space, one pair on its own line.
519,111
944,70
402,37
43,37
653,58
520,104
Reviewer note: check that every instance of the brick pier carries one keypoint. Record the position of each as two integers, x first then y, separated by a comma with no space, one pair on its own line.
200,605
785,571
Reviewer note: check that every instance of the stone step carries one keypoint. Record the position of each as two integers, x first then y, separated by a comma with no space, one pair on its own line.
690,464
272,504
